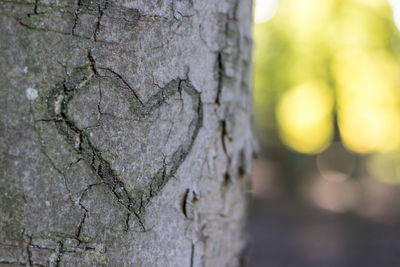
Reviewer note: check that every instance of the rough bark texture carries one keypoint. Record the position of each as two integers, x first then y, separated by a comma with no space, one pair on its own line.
125,132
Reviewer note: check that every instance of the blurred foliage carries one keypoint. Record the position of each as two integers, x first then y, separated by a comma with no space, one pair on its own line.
326,70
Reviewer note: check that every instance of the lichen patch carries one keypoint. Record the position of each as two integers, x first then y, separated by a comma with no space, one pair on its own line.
31,93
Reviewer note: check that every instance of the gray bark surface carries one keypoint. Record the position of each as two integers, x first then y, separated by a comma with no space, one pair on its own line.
125,132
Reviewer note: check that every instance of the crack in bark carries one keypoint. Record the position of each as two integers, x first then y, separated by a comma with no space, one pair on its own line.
84,215
55,258
227,176
188,202
220,75
35,7
20,22
62,175
184,202
125,83
12,263
48,157
224,134
76,16
59,251
28,240
101,13
192,255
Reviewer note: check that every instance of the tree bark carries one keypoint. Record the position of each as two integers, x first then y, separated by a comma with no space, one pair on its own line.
125,132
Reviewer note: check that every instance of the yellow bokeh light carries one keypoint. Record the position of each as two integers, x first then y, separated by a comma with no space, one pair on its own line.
305,17
264,10
304,116
373,3
366,129
368,96
385,167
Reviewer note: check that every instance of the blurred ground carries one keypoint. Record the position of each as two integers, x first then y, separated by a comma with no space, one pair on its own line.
285,232
287,229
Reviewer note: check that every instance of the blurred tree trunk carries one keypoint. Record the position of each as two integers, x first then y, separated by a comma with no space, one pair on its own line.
125,132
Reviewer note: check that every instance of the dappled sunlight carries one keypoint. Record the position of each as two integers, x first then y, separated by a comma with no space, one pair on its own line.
304,114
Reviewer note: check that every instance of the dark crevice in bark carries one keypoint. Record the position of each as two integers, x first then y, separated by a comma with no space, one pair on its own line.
184,202
22,23
59,251
192,256
92,62
220,73
124,81
35,7
43,151
242,164
138,217
84,215
188,203
75,162
227,179
28,240
39,247
224,138
61,173
224,134
128,216
233,14
76,16
46,30
225,185
13,263
101,13
59,248
28,253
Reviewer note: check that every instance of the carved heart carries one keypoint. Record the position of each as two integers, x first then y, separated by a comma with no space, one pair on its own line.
133,147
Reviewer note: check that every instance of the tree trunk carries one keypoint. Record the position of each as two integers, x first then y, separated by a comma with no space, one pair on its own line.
125,132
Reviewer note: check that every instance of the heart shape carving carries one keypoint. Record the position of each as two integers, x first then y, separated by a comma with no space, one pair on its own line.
134,147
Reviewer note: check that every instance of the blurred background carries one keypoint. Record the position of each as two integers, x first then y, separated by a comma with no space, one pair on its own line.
326,183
